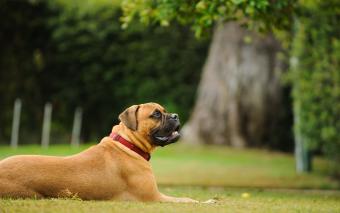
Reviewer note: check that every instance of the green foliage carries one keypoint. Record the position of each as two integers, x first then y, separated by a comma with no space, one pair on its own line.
86,59
202,14
315,76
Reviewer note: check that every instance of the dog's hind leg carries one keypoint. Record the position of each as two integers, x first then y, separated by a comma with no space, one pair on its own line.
12,190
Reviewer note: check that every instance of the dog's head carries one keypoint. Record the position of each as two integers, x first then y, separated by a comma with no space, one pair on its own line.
152,122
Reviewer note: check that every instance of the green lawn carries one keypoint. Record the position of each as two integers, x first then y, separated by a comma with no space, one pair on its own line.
229,200
204,172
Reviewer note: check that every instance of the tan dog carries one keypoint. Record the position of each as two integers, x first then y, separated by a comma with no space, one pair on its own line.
109,170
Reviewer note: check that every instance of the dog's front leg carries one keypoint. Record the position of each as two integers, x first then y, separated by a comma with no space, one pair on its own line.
165,198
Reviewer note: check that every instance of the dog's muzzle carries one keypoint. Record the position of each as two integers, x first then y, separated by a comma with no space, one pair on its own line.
167,132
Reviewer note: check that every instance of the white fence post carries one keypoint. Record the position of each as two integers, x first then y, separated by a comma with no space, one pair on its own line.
45,138
76,127
16,123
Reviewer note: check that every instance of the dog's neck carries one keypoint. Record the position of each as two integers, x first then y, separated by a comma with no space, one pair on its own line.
133,137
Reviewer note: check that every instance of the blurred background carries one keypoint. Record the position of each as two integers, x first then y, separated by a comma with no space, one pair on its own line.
74,54
241,74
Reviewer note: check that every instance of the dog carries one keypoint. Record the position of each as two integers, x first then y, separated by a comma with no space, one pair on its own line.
115,169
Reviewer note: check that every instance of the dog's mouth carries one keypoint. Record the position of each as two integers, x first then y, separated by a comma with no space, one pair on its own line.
163,139
173,135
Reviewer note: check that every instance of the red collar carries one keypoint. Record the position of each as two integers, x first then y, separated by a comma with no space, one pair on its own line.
129,145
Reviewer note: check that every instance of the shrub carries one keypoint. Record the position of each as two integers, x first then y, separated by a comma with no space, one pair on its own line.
316,77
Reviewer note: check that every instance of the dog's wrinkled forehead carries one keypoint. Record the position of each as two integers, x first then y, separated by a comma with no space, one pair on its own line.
149,108
135,114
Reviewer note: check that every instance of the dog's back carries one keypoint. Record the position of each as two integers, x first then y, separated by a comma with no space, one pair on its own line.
29,176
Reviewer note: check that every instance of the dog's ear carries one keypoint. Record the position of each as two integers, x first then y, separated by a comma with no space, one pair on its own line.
129,117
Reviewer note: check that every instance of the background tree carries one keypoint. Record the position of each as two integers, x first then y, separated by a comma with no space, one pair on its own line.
240,99
232,87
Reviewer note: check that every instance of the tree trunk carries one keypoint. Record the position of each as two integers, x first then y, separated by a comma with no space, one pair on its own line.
239,93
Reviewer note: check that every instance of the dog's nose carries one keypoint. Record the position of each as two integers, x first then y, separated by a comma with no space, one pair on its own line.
174,116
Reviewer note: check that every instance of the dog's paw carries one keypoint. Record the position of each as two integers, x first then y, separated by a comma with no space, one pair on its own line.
210,201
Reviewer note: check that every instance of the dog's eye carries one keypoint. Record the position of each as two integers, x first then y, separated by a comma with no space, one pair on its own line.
156,114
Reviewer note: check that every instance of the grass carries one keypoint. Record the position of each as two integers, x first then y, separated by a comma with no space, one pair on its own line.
204,172
229,200
185,165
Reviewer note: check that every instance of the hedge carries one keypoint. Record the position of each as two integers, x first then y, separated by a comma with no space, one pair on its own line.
316,77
